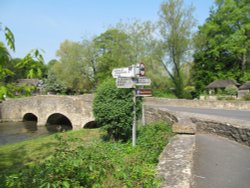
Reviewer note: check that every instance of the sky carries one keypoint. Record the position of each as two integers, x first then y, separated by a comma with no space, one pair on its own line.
45,24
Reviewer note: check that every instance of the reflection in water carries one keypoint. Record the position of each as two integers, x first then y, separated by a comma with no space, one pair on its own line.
30,126
12,132
58,128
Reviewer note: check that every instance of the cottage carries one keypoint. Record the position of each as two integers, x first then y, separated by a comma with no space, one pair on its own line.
220,85
244,89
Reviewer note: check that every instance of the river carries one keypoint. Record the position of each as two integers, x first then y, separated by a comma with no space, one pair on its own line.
12,132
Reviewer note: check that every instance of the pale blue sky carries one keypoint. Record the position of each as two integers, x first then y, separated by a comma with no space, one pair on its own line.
44,24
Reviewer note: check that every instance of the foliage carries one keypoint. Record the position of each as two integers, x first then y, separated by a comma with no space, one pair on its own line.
52,84
9,36
33,63
4,53
114,51
222,44
231,90
73,71
189,92
3,92
144,48
176,24
163,93
11,89
100,164
113,109
31,152
246,97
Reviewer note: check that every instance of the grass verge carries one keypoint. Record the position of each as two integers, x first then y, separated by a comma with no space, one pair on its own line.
18,155
98,164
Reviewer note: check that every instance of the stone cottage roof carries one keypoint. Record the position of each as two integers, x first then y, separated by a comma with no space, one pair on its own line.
219,84
245,86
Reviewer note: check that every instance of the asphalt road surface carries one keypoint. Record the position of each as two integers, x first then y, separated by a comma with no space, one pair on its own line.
233,114
220,163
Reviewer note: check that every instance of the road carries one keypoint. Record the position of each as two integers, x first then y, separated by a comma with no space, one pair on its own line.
225,166
233,114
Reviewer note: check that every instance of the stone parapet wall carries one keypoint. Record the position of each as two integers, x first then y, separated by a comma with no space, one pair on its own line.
237,133
184,123
235,104
155,114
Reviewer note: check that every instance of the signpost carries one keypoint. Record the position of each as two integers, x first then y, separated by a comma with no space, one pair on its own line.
124,82
144,92
143,81
124,72
130,77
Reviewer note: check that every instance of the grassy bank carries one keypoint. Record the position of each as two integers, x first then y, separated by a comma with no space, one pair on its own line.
93,163
16,156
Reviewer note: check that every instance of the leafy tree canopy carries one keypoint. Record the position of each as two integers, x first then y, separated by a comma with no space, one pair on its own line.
223,43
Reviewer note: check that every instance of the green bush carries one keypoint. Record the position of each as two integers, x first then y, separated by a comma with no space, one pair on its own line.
164,94
113,110
231,90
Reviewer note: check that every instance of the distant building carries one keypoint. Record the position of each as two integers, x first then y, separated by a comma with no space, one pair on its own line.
216,85
31,82
244,89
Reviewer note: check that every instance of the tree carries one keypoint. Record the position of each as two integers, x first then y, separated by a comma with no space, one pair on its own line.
5,57
176,24
33,64
143,48
223,43
90,60
9,36
52,83
113,50
73,71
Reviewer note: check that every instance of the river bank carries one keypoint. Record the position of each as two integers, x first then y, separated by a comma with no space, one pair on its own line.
18,155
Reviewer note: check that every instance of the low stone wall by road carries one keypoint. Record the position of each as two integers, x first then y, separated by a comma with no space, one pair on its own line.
175,165
237,133
235,104
188,123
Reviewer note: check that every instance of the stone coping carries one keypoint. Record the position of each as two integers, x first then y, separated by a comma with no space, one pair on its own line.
176,162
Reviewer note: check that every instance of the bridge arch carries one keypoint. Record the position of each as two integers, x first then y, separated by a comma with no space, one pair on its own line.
30,117
90,125
58,122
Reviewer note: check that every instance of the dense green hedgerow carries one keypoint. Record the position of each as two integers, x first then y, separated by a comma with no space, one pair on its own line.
98,165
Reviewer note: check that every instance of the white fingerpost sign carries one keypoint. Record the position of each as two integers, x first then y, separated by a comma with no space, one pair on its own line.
143,81
130,77
125,82
124,72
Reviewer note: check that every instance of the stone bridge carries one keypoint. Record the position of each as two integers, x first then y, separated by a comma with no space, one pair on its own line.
74,110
